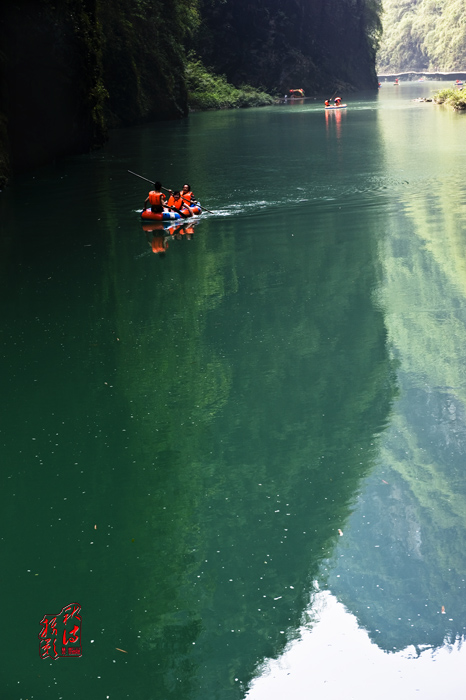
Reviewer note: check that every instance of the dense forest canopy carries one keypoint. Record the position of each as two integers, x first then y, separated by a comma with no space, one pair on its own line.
427,35
82,66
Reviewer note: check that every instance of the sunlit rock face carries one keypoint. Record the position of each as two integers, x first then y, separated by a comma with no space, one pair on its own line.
422,36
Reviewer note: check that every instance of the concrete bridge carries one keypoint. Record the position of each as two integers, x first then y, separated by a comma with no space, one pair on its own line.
415,75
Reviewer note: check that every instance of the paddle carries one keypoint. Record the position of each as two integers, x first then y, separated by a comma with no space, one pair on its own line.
166,190
142,178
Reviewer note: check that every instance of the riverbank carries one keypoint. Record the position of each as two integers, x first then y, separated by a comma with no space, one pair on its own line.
207,91
451,97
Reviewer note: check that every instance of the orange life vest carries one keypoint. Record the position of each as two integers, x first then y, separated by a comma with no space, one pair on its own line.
187,196
155,198
175,203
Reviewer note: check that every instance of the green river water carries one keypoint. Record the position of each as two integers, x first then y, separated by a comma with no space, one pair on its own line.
244,459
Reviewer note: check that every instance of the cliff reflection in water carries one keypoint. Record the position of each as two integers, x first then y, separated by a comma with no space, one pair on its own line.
286,382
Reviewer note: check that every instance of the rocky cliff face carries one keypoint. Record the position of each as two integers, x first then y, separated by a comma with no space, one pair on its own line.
283,44
72,68
50,77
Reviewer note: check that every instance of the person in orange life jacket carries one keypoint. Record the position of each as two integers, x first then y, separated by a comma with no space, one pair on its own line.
189,199
176,202
156,199
188,195
337,101
327,103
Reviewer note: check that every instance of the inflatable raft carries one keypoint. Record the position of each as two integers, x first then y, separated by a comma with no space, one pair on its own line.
168,215
336,107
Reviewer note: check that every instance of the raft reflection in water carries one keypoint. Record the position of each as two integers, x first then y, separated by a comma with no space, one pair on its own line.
158,235
334,116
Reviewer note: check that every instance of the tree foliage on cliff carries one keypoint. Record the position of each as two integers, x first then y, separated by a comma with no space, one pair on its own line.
206,90
144,56
423,35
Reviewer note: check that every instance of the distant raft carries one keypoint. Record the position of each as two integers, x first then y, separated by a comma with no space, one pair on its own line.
336,106
299,92
167,215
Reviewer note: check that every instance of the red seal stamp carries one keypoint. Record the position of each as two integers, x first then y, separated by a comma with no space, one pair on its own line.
60,635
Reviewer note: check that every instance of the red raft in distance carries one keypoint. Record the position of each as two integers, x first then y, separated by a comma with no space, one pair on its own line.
299,92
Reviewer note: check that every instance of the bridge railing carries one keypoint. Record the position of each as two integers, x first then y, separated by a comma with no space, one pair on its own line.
452,75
